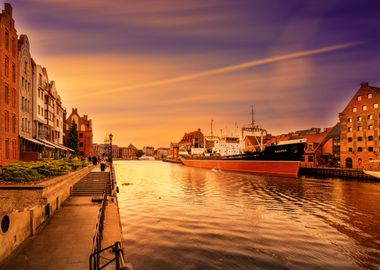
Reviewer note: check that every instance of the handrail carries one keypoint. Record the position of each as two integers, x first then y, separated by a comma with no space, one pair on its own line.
118,259
97,239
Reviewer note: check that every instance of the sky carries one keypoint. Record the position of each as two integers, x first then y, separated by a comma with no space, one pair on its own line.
148,71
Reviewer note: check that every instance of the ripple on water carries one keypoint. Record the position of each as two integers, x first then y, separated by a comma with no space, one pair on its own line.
175,217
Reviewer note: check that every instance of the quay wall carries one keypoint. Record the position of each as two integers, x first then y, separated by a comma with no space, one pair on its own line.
357,174
30,206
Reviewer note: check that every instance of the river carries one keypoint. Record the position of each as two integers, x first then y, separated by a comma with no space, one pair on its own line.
177,217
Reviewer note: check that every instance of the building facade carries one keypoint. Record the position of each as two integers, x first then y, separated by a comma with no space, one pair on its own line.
85,134
162,152
360,132
193,139
148,150
9,98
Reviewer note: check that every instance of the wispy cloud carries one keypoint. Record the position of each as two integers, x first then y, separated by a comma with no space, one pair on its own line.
232,68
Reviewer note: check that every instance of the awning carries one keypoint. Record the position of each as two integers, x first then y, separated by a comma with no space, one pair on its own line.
36,142
50,143
55,145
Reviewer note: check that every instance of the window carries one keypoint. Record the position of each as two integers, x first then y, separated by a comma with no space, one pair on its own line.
369,96
310,158
80,144
370,138
13,47
364,107
7,148
376,105
360,139
359,98
25,67
370,127
6,94
6,41
13,123
350,149
359,118
13,72
13,98
360,128
14,148
360,149
370,116
80,135
6,67
349,129
349,120
6,120
349,139
39,108
40,79
370,149
22,104
354,109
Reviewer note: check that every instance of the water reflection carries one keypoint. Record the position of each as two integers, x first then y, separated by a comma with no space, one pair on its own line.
176,217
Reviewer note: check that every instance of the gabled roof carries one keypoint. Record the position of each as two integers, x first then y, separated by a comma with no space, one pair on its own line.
132,146
363,86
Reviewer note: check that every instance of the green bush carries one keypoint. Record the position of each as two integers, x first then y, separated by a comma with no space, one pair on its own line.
33,171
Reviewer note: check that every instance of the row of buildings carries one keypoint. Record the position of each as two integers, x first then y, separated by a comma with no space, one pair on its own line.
33,122
130,152
354,142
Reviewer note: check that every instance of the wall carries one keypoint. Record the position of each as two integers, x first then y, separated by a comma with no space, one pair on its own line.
26,205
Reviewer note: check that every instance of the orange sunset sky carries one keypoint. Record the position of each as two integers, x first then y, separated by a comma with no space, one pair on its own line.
148,71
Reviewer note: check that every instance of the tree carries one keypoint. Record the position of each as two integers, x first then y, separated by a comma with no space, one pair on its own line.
73,140
139,153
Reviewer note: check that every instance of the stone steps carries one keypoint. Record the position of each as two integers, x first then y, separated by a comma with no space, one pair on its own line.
93,184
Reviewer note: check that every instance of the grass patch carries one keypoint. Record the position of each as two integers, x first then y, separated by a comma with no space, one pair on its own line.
21,171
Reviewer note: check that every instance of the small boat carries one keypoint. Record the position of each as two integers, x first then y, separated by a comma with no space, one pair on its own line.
375,174
146,158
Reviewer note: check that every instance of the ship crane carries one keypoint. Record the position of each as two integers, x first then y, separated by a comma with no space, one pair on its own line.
257,131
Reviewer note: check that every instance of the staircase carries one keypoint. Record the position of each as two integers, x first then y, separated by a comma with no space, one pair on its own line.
93,184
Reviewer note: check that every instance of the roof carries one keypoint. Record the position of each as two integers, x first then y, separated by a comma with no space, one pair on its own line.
189,136
132,146
374,88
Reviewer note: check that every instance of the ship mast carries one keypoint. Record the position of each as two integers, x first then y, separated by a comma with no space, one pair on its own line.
254,129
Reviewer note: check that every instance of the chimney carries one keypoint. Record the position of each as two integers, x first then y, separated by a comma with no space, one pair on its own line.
8,9
364,83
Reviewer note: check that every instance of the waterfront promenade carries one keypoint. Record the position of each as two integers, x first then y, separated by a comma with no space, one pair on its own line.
66,240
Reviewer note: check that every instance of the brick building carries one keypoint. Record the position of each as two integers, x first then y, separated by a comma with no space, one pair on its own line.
193,139
162,152
360,132
85,135
9,98
132,152
148,150
174,151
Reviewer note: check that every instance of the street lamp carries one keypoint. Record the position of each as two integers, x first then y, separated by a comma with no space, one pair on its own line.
110,136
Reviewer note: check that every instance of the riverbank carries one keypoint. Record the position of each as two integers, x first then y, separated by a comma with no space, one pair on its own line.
67,237
357,174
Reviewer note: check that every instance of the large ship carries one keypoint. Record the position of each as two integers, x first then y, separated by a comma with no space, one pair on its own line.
282,159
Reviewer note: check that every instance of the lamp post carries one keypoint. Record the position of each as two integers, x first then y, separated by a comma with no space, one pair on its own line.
110,136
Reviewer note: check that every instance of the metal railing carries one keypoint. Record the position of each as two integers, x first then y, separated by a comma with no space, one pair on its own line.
118,258
97,251
97,239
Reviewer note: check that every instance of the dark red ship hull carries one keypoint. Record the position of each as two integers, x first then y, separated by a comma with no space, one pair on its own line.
280,168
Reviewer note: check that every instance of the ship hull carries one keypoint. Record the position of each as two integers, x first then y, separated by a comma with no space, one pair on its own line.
279,168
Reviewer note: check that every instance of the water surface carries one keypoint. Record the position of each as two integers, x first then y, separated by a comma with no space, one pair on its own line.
177,217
